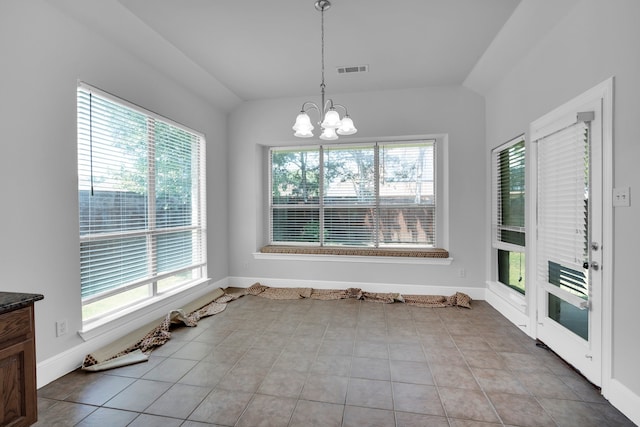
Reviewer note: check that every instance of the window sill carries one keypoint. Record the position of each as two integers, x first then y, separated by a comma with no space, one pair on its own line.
433,256
145,312
513,297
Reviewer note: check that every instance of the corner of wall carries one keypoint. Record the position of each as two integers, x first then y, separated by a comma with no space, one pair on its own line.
625,400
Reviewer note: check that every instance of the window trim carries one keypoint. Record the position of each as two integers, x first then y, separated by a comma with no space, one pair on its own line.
496,244
201,226
441,166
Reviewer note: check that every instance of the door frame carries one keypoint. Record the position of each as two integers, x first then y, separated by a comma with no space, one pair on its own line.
604,93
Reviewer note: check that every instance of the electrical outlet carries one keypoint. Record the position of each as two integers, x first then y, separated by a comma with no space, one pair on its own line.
621,196
61,327
462,273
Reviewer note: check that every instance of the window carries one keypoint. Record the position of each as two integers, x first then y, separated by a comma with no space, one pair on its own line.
141,193
508,212
365,195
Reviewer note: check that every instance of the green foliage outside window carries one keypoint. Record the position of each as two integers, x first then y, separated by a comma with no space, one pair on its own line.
362,195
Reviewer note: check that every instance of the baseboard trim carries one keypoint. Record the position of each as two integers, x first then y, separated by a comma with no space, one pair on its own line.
476,293
61,364
624,399
515,312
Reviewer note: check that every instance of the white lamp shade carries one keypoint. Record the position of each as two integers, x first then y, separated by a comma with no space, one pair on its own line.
347,127
303,123
328,134
331,120
305,133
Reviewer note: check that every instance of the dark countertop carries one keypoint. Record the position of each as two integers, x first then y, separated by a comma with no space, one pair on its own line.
10,301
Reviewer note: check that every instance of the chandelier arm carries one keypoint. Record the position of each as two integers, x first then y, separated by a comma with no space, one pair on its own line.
329,103
309,106
346,113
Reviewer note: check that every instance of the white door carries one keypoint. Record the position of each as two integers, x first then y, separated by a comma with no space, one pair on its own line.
568,254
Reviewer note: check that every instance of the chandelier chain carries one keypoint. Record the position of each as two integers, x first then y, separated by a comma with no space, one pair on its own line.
322,43
330,122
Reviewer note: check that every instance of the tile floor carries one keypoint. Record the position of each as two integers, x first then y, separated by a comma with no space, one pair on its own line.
336,363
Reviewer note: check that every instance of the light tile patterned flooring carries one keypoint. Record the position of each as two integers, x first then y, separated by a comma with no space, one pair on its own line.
336,363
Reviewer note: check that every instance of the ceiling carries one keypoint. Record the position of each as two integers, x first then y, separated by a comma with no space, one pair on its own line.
250,49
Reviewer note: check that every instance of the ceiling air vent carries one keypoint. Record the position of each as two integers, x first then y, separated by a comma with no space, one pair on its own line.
353,69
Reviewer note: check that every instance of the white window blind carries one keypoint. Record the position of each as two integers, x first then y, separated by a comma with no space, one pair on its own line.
295,192
349,195
407,193
509,195
141,192
354,195
563,202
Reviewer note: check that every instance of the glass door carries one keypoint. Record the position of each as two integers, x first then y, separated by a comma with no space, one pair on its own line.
569,234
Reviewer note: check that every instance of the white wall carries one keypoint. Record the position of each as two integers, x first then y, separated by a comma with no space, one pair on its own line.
455,111
596,40
43,54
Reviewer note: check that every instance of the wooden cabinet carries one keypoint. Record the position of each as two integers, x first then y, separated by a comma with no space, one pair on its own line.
18,398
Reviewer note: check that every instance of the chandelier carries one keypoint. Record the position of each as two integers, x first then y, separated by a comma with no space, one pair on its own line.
330,122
